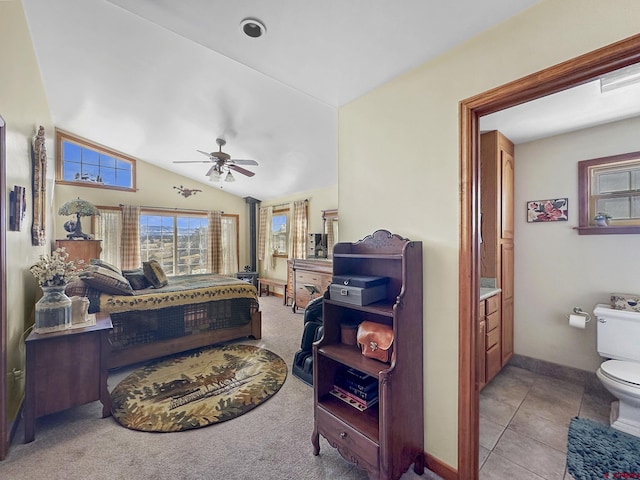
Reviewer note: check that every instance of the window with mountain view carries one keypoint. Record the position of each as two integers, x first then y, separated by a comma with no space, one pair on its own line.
177,242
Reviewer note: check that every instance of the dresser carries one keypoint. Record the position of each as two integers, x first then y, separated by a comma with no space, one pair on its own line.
81,249
308,278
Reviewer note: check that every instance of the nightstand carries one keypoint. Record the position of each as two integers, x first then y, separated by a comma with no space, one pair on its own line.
65,369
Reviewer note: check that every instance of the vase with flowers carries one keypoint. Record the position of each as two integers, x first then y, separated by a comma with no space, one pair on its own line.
53,272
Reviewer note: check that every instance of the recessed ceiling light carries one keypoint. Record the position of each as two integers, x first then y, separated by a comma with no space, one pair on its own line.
252,27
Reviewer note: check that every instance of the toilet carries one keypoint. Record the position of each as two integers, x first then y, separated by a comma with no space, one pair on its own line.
618,340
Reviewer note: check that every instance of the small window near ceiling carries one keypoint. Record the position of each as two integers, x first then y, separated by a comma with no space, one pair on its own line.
280,232
81,162
609,190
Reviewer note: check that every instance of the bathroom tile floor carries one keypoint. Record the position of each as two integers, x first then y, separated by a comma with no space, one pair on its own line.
524,422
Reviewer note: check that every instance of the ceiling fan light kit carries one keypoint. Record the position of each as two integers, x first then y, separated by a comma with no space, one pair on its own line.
222,162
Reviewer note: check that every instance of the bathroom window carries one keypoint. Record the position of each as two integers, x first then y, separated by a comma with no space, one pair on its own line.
609,195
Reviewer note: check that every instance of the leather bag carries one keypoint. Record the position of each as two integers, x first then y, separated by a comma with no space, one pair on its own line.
375,340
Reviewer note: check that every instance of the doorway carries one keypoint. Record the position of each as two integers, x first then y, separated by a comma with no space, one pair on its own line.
554,79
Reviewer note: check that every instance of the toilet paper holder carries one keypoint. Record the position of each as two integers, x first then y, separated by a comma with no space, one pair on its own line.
579,311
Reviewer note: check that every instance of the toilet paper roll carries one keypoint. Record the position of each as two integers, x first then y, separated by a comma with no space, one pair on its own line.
577,321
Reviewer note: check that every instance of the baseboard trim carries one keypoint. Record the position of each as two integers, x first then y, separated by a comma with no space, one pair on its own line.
440,468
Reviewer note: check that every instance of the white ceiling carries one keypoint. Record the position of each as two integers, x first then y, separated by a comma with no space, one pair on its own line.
580,107
160,79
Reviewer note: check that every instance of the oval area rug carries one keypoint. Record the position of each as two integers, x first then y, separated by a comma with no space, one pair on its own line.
197,388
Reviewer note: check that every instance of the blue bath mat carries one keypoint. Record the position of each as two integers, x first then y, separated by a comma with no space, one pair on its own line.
596,451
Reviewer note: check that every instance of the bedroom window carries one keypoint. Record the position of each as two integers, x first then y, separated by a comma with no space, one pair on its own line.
81,162
609,188
177,241
280,232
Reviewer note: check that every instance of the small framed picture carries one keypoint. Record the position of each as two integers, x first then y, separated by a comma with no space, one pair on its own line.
553,210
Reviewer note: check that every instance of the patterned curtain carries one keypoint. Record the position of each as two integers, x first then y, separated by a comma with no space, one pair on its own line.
214,242
130,250
299,231
265,252
328,229
108,228
230,243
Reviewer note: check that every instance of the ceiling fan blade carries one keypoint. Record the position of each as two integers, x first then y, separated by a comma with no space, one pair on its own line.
210,171
204,153
243,162
241,170
192,161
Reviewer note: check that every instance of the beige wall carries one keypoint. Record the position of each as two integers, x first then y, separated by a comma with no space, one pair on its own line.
155,188
319,199
555,268
399,163
24,107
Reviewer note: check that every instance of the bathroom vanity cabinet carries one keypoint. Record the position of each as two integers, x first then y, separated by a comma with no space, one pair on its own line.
497,248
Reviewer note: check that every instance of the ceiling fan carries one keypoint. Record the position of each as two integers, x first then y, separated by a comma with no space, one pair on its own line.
223,163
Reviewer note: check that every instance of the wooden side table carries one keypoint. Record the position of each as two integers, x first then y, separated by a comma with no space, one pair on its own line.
65,369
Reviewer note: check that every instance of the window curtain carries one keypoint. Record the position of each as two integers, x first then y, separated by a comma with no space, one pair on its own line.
299,230
230,242
130,249
108,228
328,228
265,250
214,242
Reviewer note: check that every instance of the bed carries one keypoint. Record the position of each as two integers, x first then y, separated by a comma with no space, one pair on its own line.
191,311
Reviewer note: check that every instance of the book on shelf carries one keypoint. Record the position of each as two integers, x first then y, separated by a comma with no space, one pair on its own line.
365,395
351,399
357,379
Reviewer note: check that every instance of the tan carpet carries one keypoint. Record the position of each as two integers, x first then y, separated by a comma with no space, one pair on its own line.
272,442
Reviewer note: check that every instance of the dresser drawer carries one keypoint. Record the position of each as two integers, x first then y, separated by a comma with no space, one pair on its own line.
352,444
308,277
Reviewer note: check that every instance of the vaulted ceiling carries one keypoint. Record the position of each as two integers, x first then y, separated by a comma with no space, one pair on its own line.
160,79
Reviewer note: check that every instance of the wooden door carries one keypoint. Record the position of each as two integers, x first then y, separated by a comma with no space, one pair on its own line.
506,188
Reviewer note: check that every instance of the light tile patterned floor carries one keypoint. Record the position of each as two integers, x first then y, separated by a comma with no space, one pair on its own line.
524,421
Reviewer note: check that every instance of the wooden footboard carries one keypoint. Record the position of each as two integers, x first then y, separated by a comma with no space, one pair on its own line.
149,351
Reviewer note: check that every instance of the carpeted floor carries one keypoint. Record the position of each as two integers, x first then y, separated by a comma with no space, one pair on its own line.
272,442
596,451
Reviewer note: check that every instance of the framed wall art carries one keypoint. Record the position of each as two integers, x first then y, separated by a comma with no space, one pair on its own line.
553,210
17,208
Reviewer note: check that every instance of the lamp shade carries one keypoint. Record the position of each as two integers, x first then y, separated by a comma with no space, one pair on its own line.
79,208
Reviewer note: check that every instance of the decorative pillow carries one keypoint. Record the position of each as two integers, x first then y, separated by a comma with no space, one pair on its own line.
102,263
154,273
105,280
136,278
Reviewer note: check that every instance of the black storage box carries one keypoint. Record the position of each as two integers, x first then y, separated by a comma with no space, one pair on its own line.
358,289
362,281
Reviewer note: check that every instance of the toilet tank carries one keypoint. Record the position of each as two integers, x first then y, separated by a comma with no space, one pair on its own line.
618,333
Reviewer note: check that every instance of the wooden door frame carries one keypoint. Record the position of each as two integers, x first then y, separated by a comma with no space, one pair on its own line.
4,433
551,80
